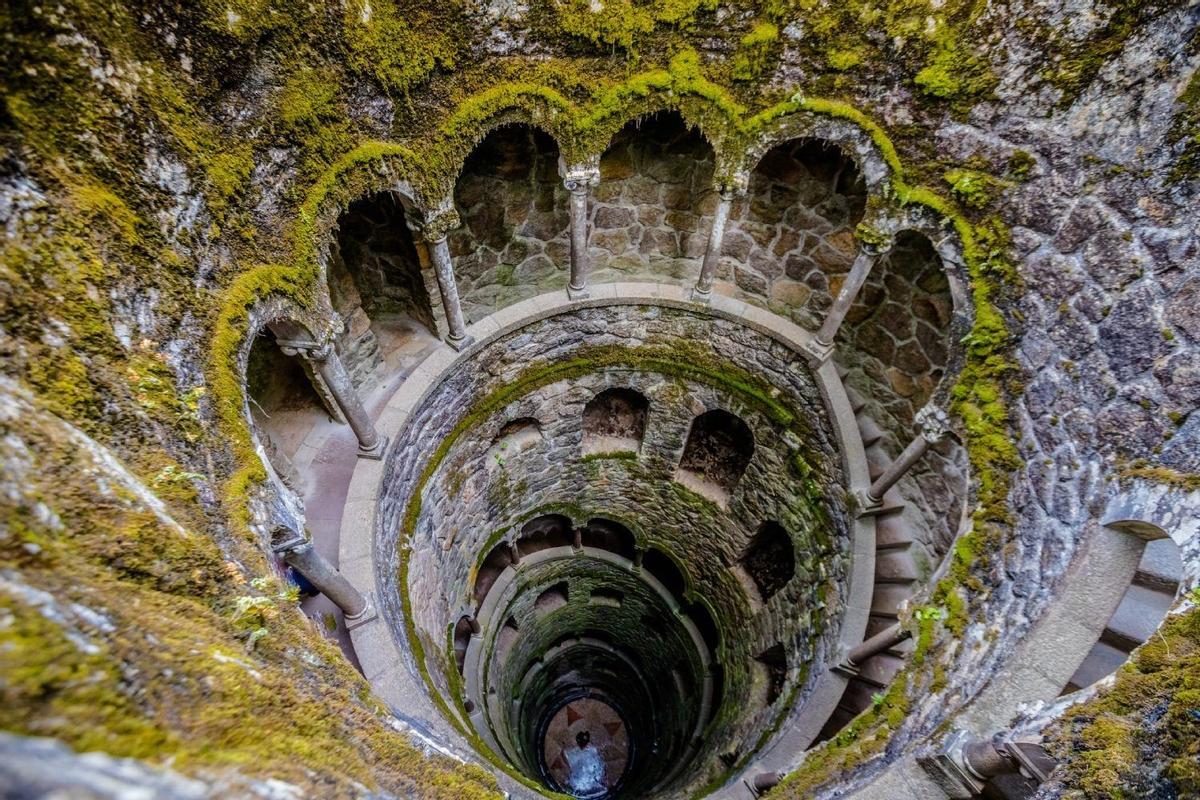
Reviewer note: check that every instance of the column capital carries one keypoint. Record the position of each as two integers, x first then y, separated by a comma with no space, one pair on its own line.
733,186
285,540
433,226
309,350
873,241
581,178
933,423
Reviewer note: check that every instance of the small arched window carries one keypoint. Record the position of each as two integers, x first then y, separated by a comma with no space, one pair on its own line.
665,571
462,638
614,421
540,533
489,571
551,599
769,559
718,450
604,534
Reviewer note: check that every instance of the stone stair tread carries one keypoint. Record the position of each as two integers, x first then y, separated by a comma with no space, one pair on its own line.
1160,567
892,531
893,566
880,669
1137,617
870,431
1101,661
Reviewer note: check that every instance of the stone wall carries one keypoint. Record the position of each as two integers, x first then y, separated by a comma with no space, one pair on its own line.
373,272
651,213
474,496
514,241
790,239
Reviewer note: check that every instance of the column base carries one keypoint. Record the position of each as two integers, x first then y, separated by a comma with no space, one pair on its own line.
867,506
459,342
375,453
368,613
581,293
701,295
817,353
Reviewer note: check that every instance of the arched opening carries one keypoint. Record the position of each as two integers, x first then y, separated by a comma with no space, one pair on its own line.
614,537
377,286
614,421
718,450
497,560
769,560
1142,609
772,664
462,639
551,599
540,533
514,438
791,241
663,569
284,406
514,241
704,623
652,209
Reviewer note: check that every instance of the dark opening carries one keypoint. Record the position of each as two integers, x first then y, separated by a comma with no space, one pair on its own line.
718,450
658,564
774,659
540,533
489,571
614,537
614,420
770,560
462,638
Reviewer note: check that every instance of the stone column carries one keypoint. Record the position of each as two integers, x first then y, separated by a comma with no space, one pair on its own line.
884,640
727,193
323,360
434,231
868,254
579,180
298,553
933,425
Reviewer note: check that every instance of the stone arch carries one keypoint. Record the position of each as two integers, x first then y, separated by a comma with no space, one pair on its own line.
651,210
792,234
663,568
718,449
284,396
609,535
379,283
498,559
514,239
544,532
615,421
463,630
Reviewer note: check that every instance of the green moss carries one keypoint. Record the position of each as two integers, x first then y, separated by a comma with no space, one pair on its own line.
754,51
398,48
972,188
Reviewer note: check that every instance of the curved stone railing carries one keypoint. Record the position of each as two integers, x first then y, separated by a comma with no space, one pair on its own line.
389,665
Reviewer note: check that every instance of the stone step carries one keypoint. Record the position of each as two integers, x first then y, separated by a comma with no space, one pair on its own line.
1101,661
888,598
870,431
880,669
857,401
891,531
1160,567
1137,617
896,566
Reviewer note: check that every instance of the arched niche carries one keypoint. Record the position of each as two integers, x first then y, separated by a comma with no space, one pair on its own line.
463,629
615,421
769,560
605,534
651,211
285,404
540,533
790,240
514,239
718,450
379,288
664,569
496,561
551,599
